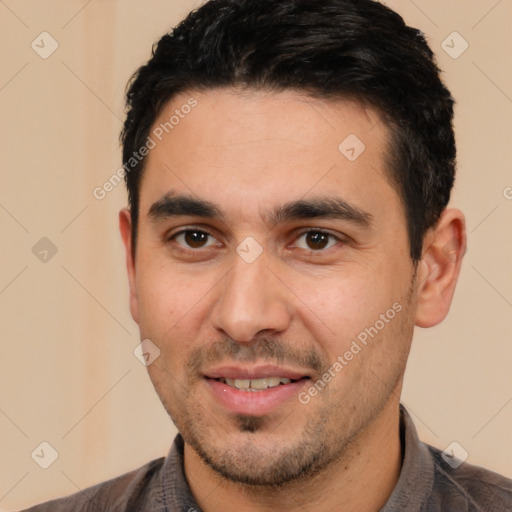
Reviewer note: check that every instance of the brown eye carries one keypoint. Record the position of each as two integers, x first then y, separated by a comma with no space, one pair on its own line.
193,238
196,239
316,240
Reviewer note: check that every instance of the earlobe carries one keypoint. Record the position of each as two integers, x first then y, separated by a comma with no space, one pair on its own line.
125,227
439,268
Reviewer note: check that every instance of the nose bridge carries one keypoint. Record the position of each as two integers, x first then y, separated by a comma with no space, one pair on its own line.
251,300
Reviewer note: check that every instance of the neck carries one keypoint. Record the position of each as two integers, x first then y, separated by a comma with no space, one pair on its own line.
362,480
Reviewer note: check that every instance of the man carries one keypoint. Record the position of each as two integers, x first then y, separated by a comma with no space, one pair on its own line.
289,165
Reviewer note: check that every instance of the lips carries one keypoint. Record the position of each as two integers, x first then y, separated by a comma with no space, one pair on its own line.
256,384
256,390
257,372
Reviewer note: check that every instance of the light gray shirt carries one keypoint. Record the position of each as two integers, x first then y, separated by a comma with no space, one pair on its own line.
427,483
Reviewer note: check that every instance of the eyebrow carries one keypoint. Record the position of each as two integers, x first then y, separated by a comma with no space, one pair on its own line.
322,207
182,205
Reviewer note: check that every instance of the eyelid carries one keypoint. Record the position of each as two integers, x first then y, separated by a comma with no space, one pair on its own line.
169,237
338,237
188,227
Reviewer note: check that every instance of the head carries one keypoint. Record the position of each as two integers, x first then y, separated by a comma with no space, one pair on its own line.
287,219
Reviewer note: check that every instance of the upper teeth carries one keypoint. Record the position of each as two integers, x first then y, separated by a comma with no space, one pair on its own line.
257,384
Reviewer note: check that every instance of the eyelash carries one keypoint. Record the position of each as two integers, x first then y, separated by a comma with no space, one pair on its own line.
185,231
173,237
321,232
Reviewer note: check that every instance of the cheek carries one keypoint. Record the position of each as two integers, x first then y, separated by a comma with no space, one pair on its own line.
339,302
336,309
173,307
157,303
166,296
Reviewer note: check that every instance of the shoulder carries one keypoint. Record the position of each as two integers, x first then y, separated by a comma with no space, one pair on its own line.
468,487
124,492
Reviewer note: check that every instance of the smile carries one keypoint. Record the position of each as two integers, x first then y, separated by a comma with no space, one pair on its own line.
256,390
256,384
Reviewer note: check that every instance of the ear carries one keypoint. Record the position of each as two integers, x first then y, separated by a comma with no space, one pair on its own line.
125,227
438,270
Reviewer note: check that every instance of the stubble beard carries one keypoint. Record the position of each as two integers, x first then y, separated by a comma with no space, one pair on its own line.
321,443
251,466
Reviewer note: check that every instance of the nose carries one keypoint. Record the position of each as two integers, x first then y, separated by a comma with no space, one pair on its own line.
251,301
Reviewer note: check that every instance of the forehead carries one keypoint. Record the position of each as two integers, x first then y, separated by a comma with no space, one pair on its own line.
249,150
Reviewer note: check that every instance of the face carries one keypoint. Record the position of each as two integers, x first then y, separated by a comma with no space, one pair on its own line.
272,254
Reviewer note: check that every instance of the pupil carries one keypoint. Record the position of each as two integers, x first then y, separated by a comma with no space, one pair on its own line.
195,238
317,240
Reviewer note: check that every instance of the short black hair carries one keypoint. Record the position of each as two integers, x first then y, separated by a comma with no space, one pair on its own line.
331,49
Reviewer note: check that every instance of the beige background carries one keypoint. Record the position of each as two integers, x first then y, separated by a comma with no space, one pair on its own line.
68,373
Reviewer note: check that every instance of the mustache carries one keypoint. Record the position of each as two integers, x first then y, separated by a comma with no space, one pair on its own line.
268,349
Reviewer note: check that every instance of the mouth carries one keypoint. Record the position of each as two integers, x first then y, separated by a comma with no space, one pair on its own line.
257,384
254,391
